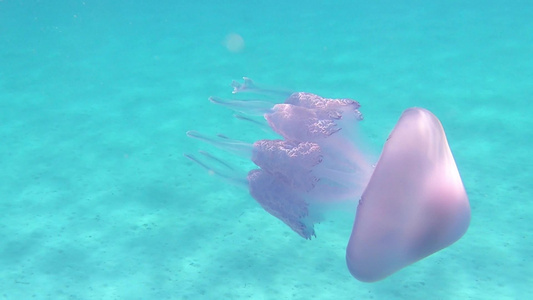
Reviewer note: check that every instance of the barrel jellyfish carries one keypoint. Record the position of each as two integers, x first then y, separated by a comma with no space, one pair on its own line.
408,205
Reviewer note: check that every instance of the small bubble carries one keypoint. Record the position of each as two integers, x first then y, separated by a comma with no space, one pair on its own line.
234,42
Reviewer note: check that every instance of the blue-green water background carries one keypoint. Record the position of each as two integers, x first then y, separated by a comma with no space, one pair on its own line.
98,202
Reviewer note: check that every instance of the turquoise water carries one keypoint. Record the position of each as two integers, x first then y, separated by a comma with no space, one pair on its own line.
98,202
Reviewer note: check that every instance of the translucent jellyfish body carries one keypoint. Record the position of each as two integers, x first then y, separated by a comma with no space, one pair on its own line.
410,205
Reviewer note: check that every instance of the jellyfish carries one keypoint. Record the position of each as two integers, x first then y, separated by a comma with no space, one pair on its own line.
407,206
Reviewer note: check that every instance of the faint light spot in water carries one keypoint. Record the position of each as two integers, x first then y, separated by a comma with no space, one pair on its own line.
234,42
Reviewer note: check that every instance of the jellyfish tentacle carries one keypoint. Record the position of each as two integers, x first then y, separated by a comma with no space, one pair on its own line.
227,172
237,147
220,161
249,107
261,124
249,87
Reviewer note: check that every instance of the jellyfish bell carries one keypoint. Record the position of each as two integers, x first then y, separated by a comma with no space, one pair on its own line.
411,204
415,203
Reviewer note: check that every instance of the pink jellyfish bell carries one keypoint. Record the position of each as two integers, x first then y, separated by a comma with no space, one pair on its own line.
414,204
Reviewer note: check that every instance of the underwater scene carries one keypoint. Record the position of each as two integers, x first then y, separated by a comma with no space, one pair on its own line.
266,149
